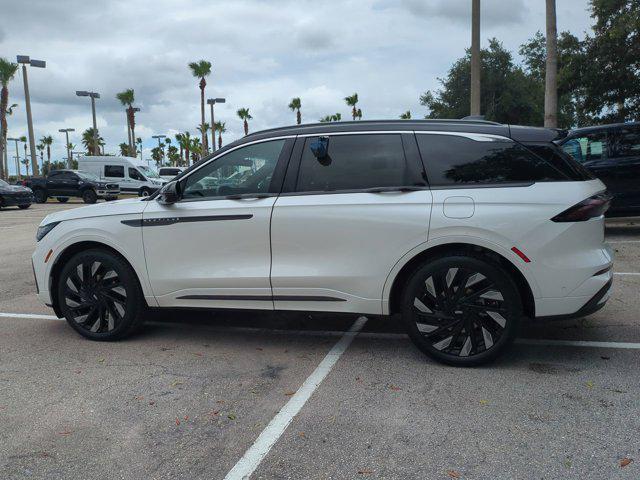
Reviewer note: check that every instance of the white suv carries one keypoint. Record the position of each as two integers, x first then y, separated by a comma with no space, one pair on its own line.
461,228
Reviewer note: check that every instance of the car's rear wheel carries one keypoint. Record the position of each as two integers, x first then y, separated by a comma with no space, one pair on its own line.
40,195
99,295
144,192
24,206
461,310
89,196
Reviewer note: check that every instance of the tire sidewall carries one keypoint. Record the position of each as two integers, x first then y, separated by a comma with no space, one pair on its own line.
133,305
508,288
40,195
89,196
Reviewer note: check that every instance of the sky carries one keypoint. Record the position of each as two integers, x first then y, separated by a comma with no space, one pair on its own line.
263,53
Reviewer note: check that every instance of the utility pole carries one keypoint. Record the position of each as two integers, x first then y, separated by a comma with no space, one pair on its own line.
475,57
24,60
66,132
93,96
212,102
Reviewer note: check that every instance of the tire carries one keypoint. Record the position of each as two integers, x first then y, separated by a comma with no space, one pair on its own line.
62,199
40,195
110,199
99,295
24,207
89,196
461,310
144,192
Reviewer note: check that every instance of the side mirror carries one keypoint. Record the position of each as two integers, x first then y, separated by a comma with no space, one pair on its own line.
170,193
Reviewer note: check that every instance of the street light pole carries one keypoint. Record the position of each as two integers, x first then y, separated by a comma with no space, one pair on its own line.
212,102
24,60
66,132
93,95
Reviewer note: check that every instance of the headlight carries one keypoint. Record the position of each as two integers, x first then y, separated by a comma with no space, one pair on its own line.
44,229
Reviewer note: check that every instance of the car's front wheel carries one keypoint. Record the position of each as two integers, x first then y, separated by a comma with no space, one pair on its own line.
461,310
99,295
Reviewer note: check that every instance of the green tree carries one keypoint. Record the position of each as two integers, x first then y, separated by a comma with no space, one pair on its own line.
7,72
92,142
172,155
195,147
201,70
156,156
611,75
47,141
40,147
244,115
295,106
220,127
352,101
406,115
127,97
508,94
124,149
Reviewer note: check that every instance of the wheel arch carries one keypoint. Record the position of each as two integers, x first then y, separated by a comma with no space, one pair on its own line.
69,252
402,271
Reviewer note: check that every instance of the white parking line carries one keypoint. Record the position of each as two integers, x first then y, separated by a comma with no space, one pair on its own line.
270,435
578,343
622,241
29,315
632,274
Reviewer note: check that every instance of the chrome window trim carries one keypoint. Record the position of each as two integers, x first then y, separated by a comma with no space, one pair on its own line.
477,137
364,132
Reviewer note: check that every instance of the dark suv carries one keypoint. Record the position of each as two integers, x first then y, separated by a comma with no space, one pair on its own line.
612,153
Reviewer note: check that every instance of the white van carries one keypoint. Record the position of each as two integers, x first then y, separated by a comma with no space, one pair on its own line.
169,173
132,174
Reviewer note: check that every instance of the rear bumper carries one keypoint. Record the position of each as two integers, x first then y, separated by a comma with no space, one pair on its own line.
593,305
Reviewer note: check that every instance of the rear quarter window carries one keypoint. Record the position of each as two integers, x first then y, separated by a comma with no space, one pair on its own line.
452,160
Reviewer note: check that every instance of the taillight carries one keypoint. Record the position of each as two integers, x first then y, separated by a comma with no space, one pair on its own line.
592,207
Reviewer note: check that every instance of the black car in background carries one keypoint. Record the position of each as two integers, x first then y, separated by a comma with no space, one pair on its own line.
63,184
611,153
15,195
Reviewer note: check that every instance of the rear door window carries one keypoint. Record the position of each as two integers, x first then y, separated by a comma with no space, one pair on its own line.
116,171
626,142
357,162
458,160
588,148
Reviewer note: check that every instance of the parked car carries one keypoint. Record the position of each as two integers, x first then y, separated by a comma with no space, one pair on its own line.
458,228
131,174
63,184
612,153
169,173
15,195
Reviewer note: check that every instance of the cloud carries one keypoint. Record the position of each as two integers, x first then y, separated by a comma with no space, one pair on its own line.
263,54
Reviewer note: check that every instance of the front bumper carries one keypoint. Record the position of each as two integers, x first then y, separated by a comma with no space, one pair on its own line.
107,193
16,200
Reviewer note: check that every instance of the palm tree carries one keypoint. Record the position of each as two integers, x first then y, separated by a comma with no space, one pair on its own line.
40,147
47,141
25,162
196,149
359,114
7,71
203,129
178,137
124,149
352,101
185,143
92,141
200,70
127,97
220,127
406,115
295,107
551,70
244,115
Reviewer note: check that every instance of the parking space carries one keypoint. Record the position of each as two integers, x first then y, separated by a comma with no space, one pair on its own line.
189,396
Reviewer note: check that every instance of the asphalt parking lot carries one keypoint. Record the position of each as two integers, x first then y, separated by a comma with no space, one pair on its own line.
198,395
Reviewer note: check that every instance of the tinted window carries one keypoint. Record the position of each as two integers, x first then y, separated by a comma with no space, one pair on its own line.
561,161
169,171
627,142
114,171
55,173
136,175
592,147
356,162
247,170
452,160
67,176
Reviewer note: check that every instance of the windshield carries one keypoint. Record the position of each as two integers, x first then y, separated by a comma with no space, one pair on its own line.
149,172
87,176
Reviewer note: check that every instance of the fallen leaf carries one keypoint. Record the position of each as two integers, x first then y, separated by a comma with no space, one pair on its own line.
78,371
259,349
484,402
177,421
625,461
289,393
139,397
198,354
231,416
220,401
66,432
214,412
364,471
176,383
186,418
101,360
589,384
394,388
301,434
152,403
453,474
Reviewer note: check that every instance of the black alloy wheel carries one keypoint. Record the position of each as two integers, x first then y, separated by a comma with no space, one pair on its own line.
99,295
461,310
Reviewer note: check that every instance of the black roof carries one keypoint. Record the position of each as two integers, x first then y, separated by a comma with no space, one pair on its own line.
595,128
515,132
